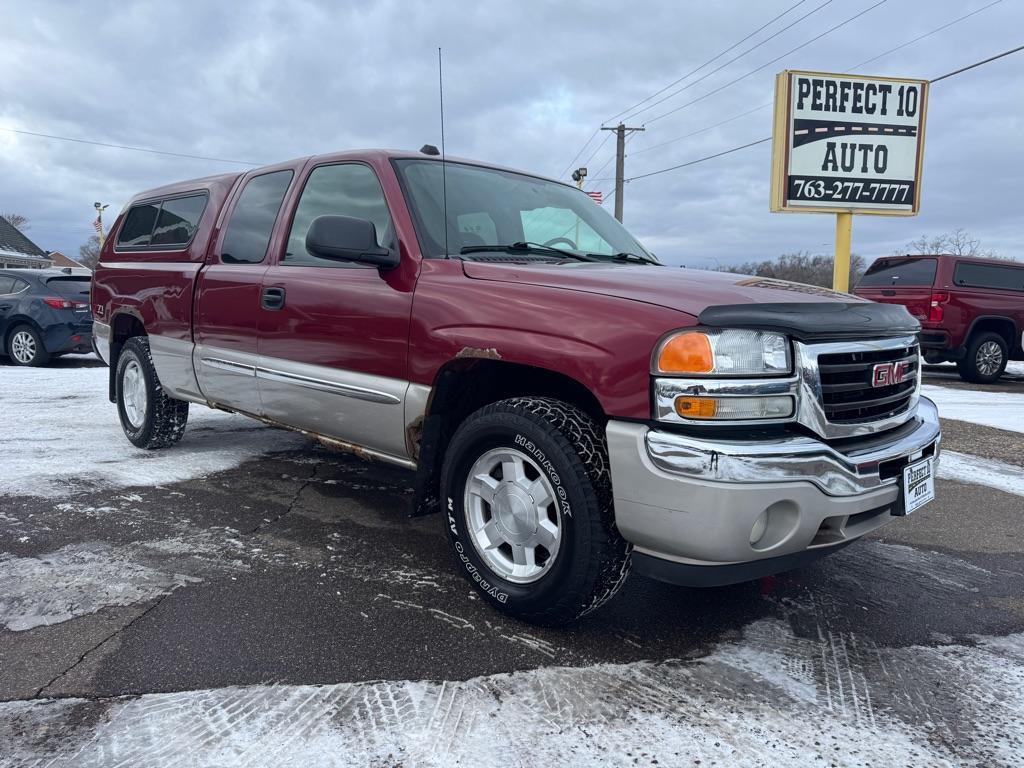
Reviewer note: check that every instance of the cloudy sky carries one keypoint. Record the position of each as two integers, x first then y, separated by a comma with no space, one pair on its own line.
526,85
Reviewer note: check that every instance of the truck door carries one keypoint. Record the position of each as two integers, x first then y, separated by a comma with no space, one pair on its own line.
228,297
333,350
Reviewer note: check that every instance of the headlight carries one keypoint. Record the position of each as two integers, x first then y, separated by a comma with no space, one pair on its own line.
730,352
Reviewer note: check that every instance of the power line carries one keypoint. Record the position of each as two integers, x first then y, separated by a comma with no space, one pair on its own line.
603,141
769,63
769,138
709,61
926,34
607,162
125,146
947,25
702,130
577,156
978,63
700,160
719,55
730,61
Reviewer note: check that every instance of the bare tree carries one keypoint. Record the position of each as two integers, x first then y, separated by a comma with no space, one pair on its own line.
89,252
16,220
804,267
957,242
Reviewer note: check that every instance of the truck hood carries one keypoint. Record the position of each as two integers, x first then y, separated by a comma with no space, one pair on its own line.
687,290
719,299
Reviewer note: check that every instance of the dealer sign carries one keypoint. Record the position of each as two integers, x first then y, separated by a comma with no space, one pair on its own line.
847,143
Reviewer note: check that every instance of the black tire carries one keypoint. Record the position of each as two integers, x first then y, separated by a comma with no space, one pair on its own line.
976,364
39,356
592,559
163,419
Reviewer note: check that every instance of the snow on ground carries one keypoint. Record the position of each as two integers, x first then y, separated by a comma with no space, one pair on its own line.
1015,367
1003,410
79,579
61,434
965,468
771,698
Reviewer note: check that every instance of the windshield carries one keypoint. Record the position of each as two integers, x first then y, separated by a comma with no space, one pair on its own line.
487,206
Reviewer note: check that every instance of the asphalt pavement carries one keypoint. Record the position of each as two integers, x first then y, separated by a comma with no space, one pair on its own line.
302,567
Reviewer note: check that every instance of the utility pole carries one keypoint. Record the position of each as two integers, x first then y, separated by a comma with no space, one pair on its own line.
620,163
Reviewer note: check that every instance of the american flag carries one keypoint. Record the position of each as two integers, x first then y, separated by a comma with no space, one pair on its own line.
596,196
97,225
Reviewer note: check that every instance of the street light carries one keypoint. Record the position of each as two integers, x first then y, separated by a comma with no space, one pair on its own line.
578,176
98,224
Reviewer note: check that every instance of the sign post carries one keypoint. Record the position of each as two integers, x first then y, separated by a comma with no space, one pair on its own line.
847,144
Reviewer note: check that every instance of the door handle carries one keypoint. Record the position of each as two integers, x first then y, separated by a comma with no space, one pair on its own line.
272,298
888,293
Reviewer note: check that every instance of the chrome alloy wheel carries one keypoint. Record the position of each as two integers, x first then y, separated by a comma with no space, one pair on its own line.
133,391
515,522
989,358
23,347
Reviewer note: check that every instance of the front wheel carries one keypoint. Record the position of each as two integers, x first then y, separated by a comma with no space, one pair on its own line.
149,417
529,509
985,359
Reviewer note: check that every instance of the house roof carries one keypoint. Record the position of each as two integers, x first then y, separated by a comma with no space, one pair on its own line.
12,240
60,260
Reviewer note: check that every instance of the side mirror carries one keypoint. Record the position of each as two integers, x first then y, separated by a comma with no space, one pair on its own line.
344,238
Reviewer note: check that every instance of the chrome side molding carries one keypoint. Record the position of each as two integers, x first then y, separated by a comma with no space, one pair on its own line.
346,390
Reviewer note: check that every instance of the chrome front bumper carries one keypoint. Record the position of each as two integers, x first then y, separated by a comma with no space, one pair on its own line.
862,468
702,502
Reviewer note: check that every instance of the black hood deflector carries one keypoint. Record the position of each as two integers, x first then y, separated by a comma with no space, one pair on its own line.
816,321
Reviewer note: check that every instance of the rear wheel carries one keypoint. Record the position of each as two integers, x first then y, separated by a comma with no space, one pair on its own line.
25,347
149,417
985,359
529,507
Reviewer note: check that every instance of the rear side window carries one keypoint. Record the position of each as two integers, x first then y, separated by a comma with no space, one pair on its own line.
138,225
6,285
252,221
70,287
178,220
164,224
998,276
900,272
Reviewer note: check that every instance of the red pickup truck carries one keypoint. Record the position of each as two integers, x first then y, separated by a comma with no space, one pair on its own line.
971,309
573,408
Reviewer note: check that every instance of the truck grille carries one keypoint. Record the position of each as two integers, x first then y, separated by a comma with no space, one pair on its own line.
847,391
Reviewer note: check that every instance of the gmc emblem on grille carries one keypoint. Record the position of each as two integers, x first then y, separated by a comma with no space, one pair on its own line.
887,374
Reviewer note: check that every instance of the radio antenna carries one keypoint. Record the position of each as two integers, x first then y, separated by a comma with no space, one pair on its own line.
444,175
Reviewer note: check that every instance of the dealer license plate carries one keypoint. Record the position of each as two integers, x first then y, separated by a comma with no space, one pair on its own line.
918,485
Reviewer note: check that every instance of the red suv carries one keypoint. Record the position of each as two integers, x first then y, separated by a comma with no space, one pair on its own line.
971,310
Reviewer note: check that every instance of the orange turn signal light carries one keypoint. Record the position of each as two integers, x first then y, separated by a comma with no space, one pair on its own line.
696,407
687,353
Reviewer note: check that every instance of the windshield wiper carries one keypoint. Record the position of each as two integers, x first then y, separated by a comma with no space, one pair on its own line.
626,256
534,248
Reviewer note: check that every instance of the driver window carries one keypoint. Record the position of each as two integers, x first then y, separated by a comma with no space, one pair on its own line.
563,229
349,189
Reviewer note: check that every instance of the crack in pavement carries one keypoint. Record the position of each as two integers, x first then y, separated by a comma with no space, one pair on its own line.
291,505
39,694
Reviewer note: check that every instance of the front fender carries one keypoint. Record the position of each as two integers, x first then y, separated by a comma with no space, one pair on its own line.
602,342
